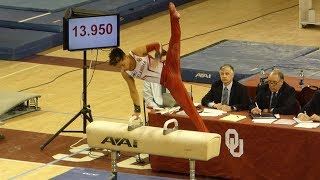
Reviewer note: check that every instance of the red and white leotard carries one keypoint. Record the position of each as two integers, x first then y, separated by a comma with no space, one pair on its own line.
147,68
168,73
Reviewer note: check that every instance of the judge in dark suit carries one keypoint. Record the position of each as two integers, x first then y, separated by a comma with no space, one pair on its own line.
227,94
311,111
275,97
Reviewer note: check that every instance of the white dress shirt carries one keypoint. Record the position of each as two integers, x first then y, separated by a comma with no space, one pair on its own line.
152,94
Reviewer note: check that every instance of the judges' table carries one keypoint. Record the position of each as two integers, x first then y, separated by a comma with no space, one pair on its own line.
249,150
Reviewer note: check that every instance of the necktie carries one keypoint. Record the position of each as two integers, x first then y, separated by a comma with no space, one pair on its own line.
224,99
273,100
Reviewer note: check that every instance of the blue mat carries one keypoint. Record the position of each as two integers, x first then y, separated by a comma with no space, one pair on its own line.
92,174
129,10
18,43
43,5
12,16
247,58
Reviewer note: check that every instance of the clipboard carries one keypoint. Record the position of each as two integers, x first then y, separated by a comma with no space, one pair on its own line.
263,116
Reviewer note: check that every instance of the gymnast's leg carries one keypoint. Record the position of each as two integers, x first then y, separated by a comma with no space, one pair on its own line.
171,76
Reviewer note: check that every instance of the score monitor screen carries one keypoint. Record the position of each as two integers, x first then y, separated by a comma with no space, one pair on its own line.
93,32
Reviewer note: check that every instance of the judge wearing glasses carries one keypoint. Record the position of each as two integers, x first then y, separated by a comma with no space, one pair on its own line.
276,96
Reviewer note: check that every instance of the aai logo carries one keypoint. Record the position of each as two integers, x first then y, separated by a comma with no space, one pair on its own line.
203,75
120,141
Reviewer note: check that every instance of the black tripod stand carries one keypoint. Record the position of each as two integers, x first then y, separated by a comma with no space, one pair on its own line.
85,111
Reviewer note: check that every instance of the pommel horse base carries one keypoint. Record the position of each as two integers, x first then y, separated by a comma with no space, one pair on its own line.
171,142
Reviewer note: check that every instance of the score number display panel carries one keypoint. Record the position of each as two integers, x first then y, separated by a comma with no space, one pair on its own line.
93,32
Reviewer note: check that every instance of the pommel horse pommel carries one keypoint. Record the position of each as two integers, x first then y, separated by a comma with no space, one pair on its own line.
171,142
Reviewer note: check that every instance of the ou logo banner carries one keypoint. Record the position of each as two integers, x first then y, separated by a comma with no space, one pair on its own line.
233,142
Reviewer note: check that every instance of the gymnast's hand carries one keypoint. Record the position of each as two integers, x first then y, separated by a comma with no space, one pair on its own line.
136,115
161,56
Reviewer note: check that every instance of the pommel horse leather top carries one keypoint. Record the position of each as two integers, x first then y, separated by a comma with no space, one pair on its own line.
192,145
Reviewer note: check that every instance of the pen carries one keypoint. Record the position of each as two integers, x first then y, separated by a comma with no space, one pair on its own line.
305,112
258,107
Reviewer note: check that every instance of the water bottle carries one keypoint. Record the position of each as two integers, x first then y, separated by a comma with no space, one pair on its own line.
301,79
262,76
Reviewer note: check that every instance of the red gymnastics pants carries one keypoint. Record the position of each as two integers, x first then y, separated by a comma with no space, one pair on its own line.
171,75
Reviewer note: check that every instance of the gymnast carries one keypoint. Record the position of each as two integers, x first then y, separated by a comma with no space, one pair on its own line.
166,71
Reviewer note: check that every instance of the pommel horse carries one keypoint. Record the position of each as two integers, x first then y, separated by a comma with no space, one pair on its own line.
171,142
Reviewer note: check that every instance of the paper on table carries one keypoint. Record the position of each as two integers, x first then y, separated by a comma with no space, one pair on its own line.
285,121
307,125
158,108
211,112
182,113
277,116
300,121
233,118
264,121
169,110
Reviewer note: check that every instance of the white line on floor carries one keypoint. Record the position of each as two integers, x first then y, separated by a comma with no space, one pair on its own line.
19,71
253,69
56,21
34,17
317,72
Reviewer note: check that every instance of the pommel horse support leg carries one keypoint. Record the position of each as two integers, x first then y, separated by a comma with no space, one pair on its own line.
171,142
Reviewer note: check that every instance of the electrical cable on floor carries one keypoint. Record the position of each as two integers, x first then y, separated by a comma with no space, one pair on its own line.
49,81
94,68
91,76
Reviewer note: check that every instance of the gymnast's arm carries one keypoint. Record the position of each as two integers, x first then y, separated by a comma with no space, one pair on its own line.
133,92
156,46
160,53
144,50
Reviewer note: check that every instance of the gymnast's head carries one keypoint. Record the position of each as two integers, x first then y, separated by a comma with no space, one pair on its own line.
118,59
